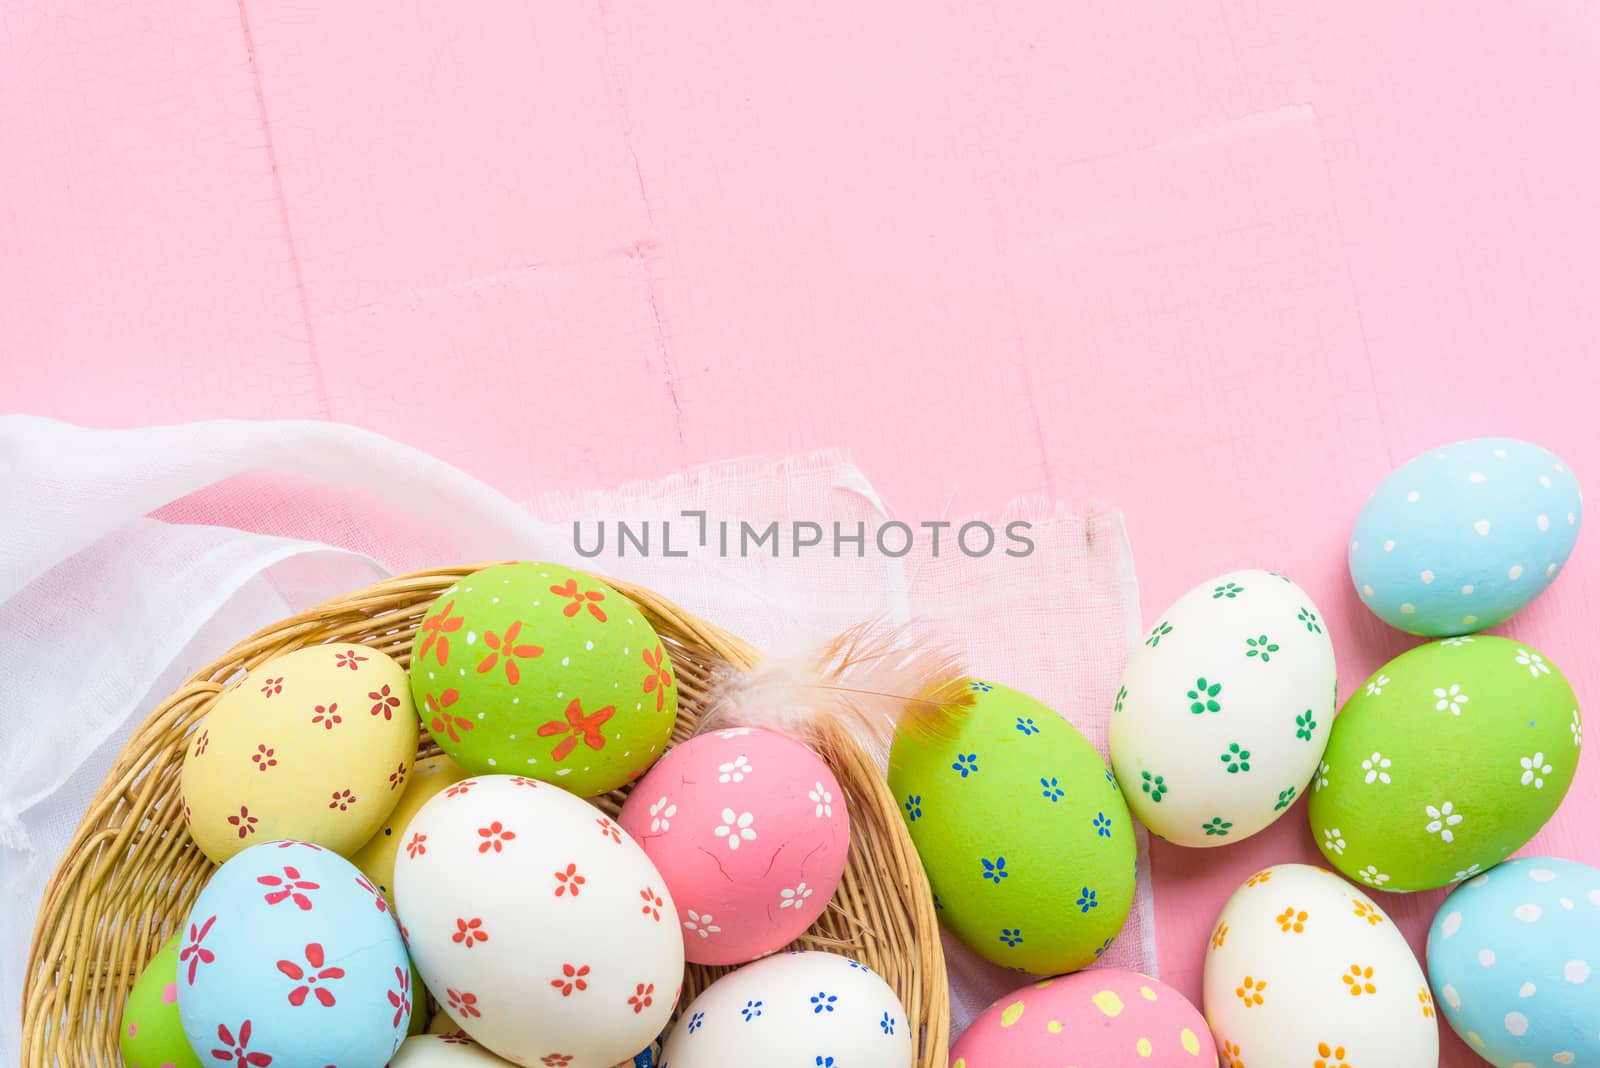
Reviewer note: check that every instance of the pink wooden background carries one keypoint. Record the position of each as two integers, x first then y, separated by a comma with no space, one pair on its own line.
1217,264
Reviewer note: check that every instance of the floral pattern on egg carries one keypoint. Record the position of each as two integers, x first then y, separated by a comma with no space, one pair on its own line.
452,1049
539,925
1240,670
545,671
314,745
1022,830
289,956
750,832
793,1010
1494,711
429,776
1303,968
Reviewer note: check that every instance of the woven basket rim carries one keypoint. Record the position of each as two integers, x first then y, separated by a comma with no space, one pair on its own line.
104,915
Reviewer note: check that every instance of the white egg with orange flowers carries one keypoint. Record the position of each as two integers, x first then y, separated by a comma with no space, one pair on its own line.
1304,968
537,924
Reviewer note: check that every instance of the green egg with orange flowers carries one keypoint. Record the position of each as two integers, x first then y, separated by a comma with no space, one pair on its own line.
544,671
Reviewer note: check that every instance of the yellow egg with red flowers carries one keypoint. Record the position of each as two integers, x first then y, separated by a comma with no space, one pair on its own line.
315,745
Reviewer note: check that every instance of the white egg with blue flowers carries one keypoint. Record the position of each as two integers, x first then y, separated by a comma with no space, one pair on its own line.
793,1010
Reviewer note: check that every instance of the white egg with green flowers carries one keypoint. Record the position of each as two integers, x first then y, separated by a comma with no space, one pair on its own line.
1224,709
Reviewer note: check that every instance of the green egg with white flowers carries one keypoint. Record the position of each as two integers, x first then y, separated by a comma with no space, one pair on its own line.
1444,762
1024,835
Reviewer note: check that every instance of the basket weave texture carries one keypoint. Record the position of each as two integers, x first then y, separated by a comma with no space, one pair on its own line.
131,873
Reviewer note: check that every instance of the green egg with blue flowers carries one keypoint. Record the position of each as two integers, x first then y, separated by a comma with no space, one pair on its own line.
1022,830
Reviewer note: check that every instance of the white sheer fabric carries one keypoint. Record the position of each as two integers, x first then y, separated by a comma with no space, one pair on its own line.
130,558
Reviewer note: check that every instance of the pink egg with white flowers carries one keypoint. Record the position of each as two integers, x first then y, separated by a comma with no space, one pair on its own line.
1104,1017
749,831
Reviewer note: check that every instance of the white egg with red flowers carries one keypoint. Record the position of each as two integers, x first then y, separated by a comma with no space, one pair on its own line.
537,923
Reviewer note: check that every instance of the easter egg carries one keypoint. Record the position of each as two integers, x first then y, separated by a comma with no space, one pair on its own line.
313,746
793,1010
1304,968
291,957
540,670
444,1051
1447,760
376,859
1105,1017
1024,835
419,1018
748,829
453,1050
1514,955
538,924
1224,709
1463,537
151,1033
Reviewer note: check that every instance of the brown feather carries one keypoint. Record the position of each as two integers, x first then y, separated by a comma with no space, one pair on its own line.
876,679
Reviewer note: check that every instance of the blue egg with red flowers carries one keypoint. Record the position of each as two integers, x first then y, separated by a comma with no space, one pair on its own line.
291,957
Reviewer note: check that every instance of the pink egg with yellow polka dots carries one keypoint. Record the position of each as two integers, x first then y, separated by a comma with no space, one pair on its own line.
749,831
1103,1017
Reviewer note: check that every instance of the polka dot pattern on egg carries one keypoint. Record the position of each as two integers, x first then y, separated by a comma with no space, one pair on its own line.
1534,1001
152,1034
1470,534
1102,1016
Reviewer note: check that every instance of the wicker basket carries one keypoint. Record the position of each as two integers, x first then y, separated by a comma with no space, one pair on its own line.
131,873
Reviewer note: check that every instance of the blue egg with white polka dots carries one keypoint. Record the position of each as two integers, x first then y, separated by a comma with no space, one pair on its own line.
1463,537
1514,959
